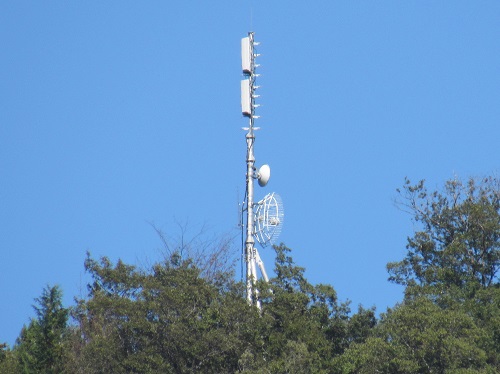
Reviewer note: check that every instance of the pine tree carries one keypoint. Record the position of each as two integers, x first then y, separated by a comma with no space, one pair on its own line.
40,347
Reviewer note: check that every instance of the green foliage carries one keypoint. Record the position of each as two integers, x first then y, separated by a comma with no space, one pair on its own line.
419,337
360,325
437,340
303,325
458,246
450,319
186,314
168,319
8,360
41,345
172,319
484,308
4,349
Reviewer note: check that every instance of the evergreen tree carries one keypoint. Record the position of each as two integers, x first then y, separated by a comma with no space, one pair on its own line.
168,319
457,249
304,326
449,321
40,346
419,337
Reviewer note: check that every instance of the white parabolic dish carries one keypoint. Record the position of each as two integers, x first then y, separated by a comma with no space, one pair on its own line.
264,175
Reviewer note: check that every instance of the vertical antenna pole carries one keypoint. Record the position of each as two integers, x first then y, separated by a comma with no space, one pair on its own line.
248,109
250,242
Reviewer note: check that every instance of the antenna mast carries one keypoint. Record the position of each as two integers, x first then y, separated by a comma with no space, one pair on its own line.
248,105
264,219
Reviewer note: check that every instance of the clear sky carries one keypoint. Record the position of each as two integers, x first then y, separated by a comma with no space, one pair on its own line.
117,114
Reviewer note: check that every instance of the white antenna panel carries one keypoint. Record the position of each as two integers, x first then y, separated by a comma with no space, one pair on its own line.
246,56
246,102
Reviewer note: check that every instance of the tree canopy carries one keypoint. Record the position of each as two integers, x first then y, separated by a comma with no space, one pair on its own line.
449,320
458,244
188,314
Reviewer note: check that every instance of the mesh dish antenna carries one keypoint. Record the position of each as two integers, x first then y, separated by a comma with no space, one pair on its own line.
268,219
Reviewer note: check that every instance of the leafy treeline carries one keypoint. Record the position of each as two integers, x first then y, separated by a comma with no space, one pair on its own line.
177,317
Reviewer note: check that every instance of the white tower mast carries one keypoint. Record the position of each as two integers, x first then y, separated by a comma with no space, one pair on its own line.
248,105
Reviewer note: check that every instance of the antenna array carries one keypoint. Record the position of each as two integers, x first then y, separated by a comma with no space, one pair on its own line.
265,223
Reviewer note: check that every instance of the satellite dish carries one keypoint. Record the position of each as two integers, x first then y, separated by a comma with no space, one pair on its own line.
264,175
268,219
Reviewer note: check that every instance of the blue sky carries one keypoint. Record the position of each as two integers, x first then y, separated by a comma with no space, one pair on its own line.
114,115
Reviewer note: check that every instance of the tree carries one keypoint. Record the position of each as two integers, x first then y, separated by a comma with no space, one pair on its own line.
213,256
454,258
8,360
40,347
166,319
304,326
457,249
173,318
419,337
4,349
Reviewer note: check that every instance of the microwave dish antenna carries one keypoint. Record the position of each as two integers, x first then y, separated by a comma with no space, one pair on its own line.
268,219
263,175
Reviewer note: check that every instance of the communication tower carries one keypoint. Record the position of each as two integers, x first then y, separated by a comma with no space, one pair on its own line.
264,219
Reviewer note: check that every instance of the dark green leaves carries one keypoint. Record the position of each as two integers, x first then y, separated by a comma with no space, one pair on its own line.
41,346
459,241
